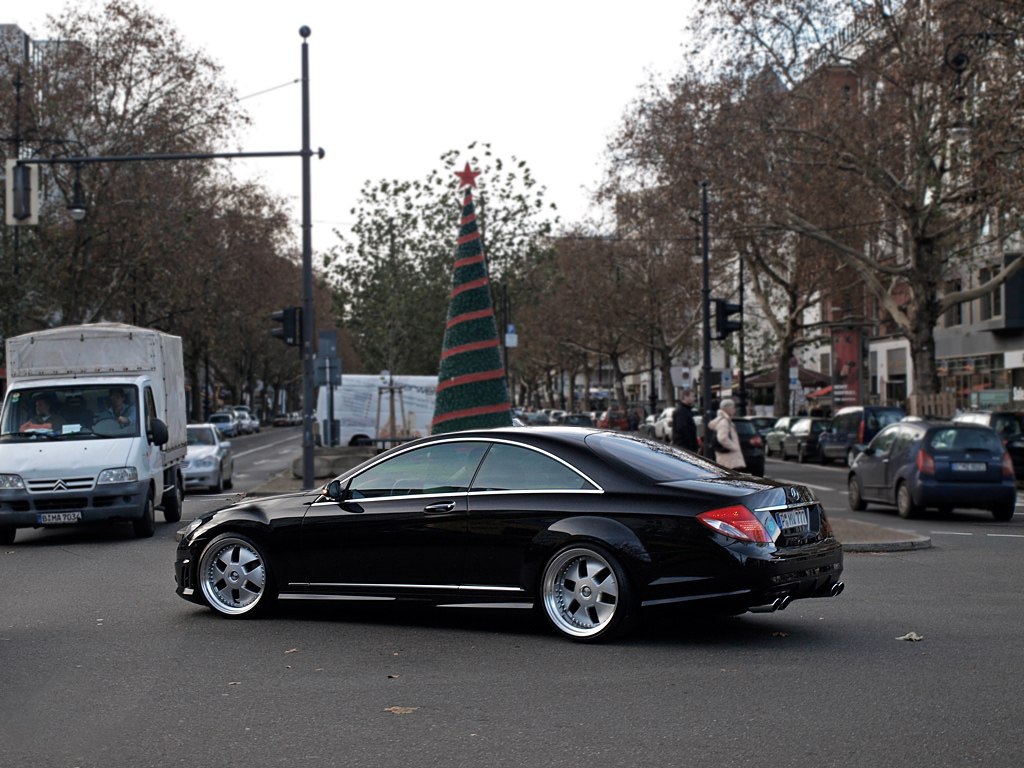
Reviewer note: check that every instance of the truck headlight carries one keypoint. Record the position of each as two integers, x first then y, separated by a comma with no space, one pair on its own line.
11,482
118,475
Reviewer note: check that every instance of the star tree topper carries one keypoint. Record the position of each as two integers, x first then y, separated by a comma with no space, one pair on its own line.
467,177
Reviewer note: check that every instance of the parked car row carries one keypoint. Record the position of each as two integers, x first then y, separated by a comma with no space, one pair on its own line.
814,438
234,421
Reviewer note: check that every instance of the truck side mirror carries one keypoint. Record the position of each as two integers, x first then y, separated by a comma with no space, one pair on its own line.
157,433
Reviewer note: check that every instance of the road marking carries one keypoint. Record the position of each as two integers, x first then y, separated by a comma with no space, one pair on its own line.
1005,535
950,533
268,445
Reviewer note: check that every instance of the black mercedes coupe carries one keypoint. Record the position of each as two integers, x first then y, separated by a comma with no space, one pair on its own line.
586,525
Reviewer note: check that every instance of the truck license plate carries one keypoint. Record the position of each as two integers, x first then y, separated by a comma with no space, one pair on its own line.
59,518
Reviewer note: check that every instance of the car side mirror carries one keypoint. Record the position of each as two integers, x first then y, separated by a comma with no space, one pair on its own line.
157,432
335,492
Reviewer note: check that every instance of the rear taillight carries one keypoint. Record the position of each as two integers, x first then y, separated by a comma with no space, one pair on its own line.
860,433
925,462
1007,465
756,442
736,522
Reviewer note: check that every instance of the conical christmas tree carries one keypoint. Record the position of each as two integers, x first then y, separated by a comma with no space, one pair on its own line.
472,392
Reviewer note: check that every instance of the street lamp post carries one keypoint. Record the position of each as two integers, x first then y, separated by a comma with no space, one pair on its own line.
77,211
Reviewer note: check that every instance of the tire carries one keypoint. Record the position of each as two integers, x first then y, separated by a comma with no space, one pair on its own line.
585,594
801,455
855,497
172,506
145,526
905,505
1003,514
851,456
7,533
234,577
229,483
218,487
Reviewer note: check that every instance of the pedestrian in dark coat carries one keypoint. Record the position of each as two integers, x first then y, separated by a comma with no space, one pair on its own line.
684,428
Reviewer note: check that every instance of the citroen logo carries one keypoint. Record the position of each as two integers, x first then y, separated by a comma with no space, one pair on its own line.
794,493
60,486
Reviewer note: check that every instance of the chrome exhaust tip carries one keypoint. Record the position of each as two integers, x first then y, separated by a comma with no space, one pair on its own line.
837,589
771,607
784,602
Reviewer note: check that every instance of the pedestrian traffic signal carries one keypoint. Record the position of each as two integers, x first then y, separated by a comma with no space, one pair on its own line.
723,325
21,199
290,331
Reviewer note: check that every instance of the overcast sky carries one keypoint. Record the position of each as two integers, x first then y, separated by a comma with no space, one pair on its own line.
394,84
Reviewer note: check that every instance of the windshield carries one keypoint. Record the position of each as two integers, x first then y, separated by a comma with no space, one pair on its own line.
201,436
81,412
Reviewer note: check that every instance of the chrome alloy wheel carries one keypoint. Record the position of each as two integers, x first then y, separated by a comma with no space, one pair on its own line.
580,591
233,575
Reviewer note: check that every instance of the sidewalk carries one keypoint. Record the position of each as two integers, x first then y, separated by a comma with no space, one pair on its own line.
855,535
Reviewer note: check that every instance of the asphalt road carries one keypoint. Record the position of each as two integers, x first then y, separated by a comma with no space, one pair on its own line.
101,664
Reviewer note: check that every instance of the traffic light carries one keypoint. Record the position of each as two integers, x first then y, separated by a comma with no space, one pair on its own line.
290,331
21,186
723,325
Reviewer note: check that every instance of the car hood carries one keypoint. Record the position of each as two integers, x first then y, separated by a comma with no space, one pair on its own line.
196,452
43,457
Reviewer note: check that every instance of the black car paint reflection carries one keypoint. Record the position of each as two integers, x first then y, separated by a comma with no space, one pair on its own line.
589,525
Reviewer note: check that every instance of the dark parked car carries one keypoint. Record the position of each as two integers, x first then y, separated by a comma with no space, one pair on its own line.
918,464
1009,426
587,525
773,440
751,443
763,424
854,427
802,441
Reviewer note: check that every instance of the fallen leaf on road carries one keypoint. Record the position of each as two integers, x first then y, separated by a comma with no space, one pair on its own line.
911,636
400,710
393,677
291,650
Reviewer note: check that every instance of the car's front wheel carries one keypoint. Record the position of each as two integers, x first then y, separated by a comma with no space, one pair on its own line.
855,498
145,526
234,576
1004,513
585,594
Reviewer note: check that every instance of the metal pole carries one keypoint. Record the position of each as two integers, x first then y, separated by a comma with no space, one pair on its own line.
742,382
705,377
308,389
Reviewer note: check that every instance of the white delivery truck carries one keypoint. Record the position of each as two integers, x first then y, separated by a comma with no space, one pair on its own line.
92,428
377,409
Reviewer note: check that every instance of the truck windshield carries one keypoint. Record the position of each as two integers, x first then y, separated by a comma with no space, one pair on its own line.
82,412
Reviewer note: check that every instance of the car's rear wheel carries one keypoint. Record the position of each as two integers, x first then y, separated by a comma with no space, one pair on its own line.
855,498
7,533
905,505
801,454
585,594
1004,513
234,576
145,526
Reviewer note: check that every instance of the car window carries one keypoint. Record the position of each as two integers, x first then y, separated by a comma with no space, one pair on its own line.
904,437
954,439
436,468
200,437
1006,424
879,419
802,427
884,440
818,426
514,468
744,427
655,461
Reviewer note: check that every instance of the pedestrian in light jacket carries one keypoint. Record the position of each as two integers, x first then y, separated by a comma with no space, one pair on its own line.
728,452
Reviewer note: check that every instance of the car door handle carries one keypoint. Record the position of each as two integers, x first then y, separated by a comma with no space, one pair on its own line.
439,508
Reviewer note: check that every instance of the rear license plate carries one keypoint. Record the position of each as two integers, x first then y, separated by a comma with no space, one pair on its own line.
58,518
793,518
969,466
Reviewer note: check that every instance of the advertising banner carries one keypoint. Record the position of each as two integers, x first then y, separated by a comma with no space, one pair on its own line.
846,367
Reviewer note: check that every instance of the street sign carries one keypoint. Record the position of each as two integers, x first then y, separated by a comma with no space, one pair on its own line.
327,372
